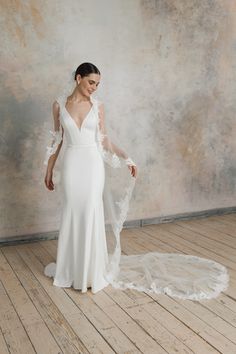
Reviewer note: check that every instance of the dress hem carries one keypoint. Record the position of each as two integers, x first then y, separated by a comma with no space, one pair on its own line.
83,290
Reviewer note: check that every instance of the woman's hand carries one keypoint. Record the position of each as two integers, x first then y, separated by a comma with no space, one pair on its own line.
48,180
133,170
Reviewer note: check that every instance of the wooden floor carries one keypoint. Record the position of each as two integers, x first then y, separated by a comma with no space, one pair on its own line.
37,317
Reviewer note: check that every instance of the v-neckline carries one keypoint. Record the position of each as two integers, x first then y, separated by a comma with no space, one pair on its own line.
82,123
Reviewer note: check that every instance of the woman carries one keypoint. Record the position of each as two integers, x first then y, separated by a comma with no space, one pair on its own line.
82,254
95,206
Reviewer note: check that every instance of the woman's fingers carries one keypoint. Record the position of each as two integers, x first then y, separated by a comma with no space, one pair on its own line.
49,183
133,170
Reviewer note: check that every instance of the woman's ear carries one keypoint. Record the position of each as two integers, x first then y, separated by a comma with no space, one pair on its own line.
78,78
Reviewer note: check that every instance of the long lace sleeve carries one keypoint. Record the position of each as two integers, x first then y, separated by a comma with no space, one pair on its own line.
56,134
112,153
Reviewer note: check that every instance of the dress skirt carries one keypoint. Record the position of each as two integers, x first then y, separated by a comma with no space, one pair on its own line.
82,253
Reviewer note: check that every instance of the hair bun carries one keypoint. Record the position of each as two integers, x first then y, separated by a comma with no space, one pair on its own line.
85,69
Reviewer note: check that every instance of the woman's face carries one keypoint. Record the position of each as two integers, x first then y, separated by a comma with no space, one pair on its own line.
88,84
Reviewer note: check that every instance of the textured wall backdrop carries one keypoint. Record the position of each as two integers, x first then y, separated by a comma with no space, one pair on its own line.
168,83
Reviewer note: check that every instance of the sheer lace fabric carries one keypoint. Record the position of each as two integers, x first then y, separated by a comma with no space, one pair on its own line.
57,136
181,276
178,275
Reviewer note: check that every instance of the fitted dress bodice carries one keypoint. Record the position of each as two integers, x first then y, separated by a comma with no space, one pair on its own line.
75,136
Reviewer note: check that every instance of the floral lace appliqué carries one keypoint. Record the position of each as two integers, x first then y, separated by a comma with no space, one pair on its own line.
56,140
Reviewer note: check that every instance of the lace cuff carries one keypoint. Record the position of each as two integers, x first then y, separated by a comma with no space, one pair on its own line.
129,161
51,150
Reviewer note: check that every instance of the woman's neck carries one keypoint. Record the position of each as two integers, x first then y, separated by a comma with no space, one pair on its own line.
78,96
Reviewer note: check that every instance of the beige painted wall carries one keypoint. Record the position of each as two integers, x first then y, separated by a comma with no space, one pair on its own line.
168,83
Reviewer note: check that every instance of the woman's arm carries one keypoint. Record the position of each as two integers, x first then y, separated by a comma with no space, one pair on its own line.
110,146
57,127
56,145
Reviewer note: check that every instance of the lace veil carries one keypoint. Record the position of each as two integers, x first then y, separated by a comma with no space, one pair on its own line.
178,275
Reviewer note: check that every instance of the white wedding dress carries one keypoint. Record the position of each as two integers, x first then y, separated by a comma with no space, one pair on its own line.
94,210
82,250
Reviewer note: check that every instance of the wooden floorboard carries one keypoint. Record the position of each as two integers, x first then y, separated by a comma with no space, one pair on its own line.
37,317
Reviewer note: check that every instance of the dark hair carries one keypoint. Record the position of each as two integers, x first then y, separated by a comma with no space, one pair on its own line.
85,69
